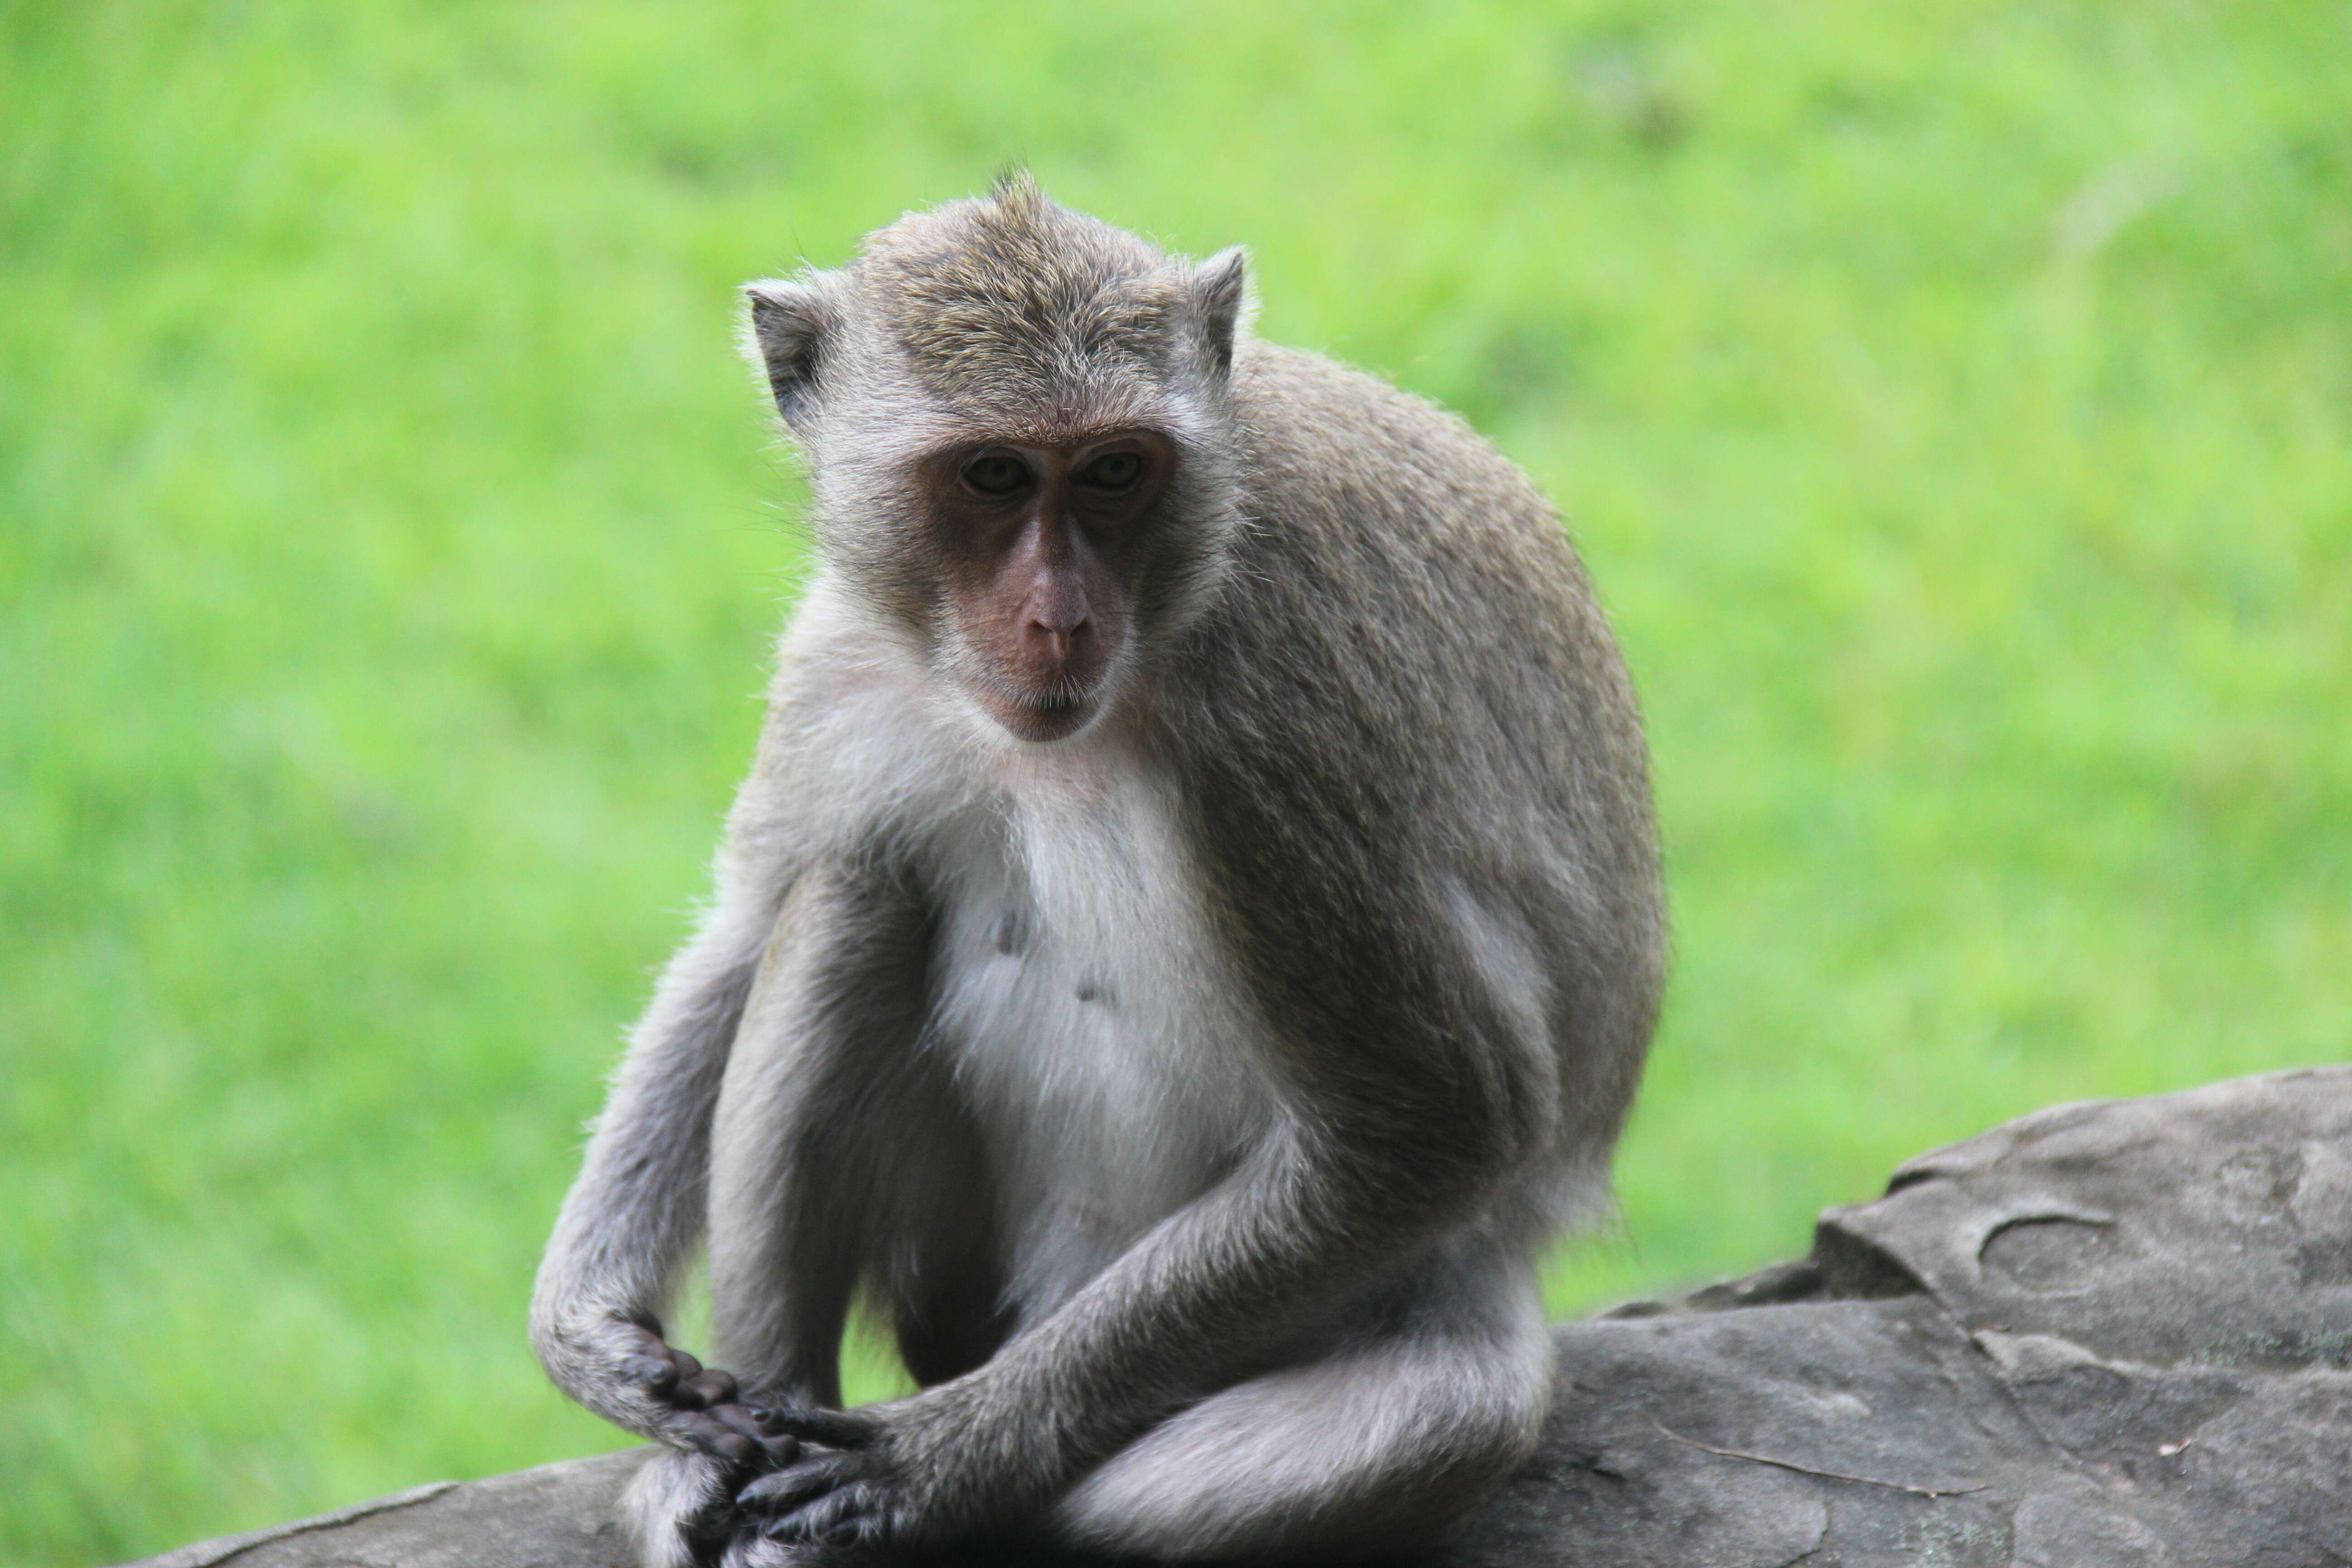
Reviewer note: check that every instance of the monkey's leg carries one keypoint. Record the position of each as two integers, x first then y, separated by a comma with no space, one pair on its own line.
810,1124
807,1107
1376,1448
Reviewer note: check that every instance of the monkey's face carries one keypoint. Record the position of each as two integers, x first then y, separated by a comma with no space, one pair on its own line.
1019,426
1043,549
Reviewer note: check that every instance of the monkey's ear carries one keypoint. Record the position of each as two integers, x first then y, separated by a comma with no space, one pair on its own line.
1220,300
787,325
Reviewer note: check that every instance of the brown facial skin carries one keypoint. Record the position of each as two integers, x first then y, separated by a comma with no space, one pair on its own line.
1043,544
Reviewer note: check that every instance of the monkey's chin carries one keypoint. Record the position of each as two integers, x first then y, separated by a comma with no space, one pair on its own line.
1039,723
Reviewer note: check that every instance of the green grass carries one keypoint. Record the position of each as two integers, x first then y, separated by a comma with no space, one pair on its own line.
1954,403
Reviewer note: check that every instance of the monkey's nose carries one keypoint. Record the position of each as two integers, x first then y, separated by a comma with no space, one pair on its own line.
1054,637
1056,626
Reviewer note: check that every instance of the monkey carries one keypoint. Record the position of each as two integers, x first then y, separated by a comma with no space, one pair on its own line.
1186,944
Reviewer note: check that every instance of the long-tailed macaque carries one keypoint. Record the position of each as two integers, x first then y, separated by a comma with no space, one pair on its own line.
1188,938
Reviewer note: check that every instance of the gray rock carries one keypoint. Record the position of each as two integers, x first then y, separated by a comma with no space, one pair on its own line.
2108,1333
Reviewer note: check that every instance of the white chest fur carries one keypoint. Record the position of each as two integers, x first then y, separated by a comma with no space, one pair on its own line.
1091,1020
1093,1024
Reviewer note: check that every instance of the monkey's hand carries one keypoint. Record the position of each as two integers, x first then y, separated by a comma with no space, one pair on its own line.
867,1477
688,1406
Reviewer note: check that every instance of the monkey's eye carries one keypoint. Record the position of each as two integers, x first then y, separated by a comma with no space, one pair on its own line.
996,473
1112,471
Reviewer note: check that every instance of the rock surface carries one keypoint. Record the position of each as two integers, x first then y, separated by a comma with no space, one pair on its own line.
2108,1333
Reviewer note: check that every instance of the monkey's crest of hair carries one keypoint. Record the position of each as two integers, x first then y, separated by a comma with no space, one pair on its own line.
1011,293
1013,305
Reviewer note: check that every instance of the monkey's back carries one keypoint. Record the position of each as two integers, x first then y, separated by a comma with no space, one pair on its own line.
1462,759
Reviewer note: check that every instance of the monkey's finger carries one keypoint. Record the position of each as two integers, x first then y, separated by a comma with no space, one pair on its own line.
775,1453
645,1359
704,1434
655,1374
699,1387
715,1386
786,1490
849,1516
834,1428
735,1418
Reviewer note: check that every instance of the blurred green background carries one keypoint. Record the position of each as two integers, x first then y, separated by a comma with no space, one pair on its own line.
1954,403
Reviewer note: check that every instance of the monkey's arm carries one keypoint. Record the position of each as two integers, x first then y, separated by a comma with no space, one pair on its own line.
638,1204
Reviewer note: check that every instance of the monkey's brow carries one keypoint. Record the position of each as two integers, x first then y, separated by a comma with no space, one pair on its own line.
1020,435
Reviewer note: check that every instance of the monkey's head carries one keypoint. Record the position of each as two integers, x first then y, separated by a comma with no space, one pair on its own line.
1018,430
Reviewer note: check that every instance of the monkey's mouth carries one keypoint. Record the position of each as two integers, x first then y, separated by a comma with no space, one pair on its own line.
1053,711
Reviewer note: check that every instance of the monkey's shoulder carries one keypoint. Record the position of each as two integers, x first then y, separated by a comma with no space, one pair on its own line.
1394,575
1320,439
1385,516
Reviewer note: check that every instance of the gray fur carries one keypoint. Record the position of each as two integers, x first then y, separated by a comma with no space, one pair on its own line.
1190,1093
